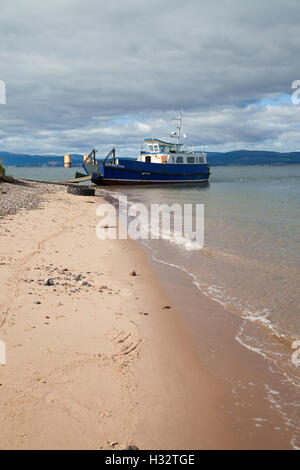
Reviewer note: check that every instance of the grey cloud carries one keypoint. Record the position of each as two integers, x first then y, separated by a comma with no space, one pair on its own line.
72,67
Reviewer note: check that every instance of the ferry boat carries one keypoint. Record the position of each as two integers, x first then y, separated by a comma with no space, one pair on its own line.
159,163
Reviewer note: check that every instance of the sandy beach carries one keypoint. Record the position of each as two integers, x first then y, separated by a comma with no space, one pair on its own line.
97,358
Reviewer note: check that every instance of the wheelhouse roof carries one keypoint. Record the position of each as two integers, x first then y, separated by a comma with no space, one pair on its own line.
160,142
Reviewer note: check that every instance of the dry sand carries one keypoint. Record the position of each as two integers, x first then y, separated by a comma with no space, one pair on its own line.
99,363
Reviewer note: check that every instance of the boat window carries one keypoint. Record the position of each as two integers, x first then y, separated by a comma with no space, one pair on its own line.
150,148
156,148
162,148
179,160
148,158
190,159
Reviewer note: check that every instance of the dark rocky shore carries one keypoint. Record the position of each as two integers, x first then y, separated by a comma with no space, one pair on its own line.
23,195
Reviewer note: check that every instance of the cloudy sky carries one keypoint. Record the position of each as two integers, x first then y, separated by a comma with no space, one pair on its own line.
100,73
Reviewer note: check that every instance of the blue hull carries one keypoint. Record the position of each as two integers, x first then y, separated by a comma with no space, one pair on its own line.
135,172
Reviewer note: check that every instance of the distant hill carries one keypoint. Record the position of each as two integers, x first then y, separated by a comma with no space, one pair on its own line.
237,157
249,157
18,159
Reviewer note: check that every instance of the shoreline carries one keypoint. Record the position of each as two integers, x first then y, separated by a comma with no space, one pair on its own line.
261,379
261,402
97,363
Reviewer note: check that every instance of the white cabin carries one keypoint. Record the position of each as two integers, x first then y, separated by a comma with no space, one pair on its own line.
158,151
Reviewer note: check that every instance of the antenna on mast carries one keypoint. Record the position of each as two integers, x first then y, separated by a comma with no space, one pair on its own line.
178,127
179,119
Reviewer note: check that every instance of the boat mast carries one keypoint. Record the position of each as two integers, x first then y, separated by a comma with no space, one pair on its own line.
179,119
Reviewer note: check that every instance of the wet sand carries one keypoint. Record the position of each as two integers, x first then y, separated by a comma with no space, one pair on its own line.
259,398
95,360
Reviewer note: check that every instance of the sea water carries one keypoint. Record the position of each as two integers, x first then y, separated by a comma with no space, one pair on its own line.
251,253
